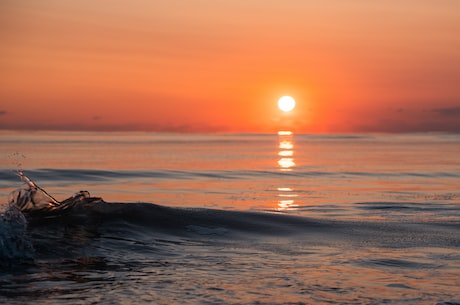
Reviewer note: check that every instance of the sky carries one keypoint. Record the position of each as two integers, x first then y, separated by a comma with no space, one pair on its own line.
220,66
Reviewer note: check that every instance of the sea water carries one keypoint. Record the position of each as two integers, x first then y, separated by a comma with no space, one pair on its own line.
234,219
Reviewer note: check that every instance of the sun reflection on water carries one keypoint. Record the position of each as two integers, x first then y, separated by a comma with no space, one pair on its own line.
285,133
286,152
286,163
286,145
286,200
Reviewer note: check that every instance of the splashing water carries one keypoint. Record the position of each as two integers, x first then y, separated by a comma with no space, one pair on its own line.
15,247
30,196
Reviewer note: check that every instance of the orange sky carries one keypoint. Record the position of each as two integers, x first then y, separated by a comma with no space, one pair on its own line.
206,66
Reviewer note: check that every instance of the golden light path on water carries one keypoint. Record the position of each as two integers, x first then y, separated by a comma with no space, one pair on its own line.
286,163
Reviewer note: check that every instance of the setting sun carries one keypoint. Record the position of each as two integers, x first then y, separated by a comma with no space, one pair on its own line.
286,103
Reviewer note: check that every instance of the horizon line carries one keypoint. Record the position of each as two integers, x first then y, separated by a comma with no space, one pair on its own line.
210,132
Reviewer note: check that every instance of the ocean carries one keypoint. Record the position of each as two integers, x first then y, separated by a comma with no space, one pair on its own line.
231,218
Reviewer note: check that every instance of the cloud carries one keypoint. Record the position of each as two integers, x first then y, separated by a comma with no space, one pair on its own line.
401,120
401,126
3,112
449,111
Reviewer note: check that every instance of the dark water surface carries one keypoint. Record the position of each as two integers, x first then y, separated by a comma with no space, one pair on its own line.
234,219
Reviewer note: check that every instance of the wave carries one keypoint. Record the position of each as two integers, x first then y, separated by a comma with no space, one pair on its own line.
39,206
72,176
37,225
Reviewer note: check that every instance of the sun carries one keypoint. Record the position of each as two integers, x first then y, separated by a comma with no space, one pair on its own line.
286,103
